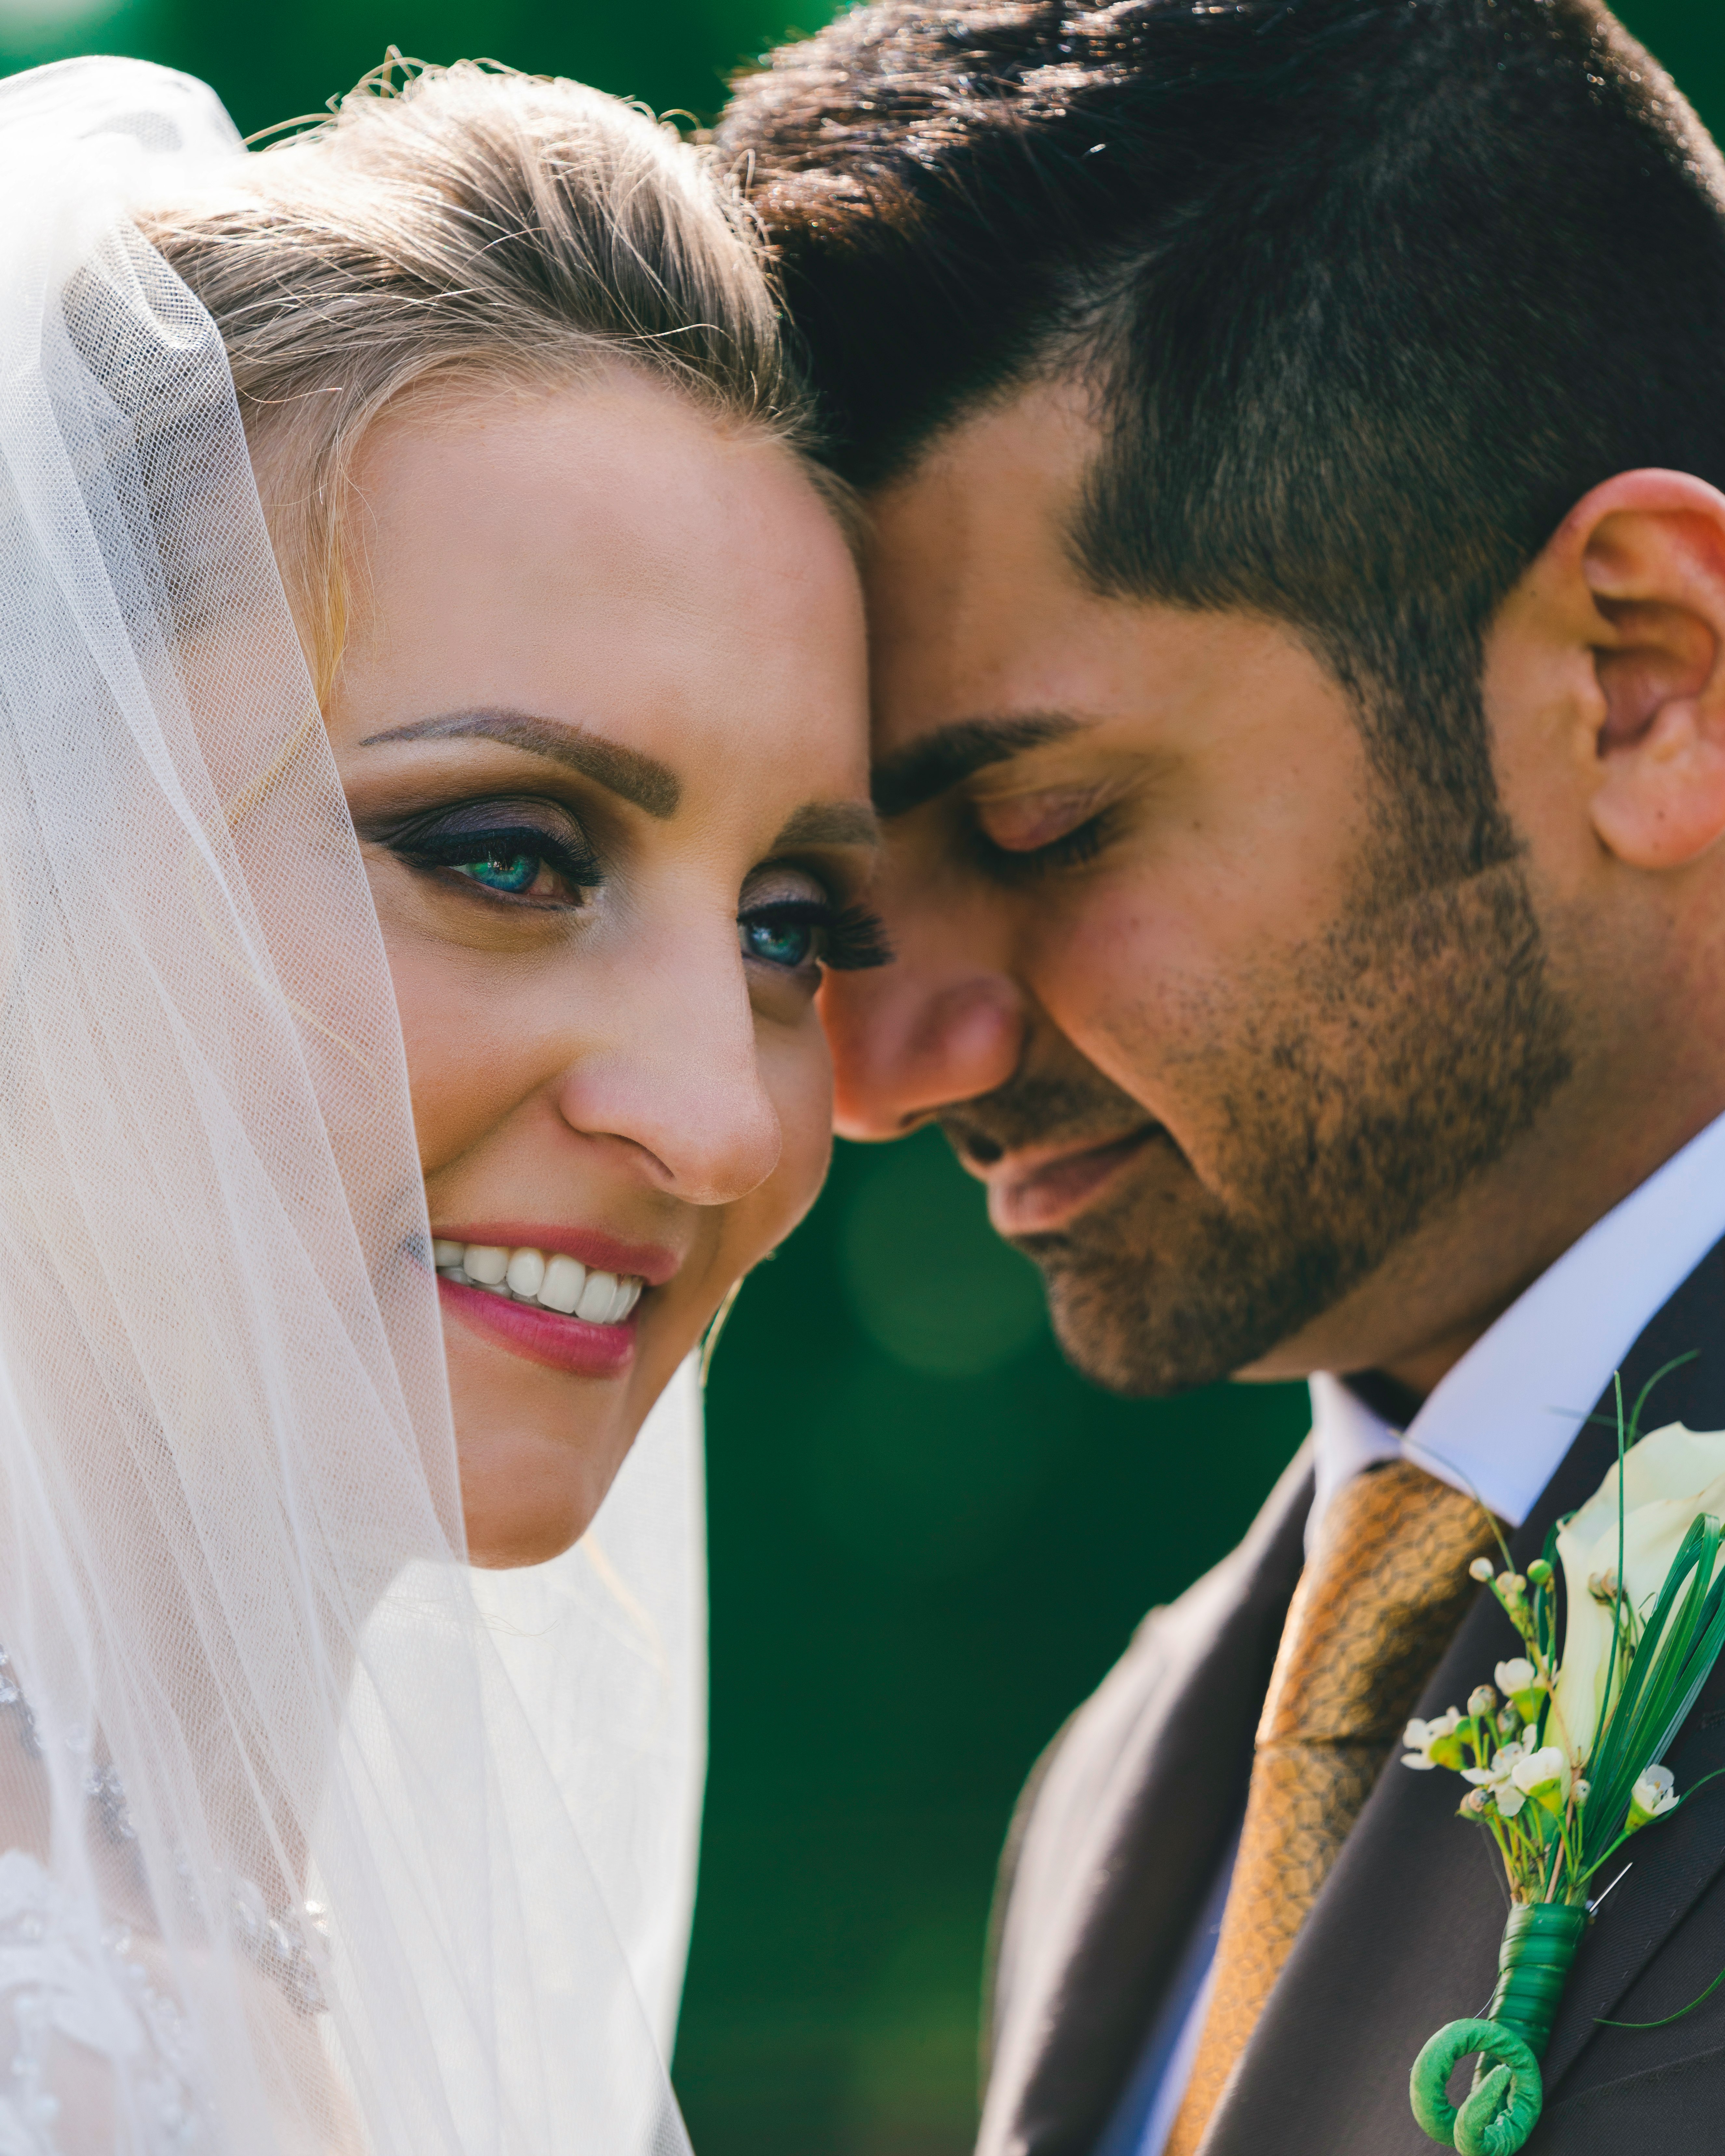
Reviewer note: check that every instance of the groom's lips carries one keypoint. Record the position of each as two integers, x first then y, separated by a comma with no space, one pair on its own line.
1031,1193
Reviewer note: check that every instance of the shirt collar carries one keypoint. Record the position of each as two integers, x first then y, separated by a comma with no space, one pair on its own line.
1500,1422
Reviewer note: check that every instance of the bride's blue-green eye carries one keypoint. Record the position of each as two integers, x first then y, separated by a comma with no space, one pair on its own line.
527,849
511,873
778,938
794,934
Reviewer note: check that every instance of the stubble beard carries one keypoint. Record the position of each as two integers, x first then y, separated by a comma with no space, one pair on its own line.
1352,1091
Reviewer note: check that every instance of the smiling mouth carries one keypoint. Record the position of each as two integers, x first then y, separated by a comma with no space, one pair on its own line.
545,1281
1034,1200
548,1305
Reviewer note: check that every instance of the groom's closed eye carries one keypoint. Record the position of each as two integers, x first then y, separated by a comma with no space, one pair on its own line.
1032,823
1071,843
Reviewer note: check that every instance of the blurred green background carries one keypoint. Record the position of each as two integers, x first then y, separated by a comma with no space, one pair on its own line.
929,1538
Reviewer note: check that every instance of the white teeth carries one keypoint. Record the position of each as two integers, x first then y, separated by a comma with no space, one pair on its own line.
596,1298
559,1283
564,1280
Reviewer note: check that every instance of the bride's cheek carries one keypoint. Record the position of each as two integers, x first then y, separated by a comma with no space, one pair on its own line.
421,998
799,1081
438,999
797,1075
462,1046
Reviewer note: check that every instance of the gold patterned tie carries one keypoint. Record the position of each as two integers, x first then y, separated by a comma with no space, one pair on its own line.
1380,1597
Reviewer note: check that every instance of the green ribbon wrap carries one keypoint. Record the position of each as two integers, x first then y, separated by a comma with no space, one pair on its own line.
1502,2108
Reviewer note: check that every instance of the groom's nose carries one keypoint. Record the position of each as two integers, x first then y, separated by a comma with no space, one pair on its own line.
923,1034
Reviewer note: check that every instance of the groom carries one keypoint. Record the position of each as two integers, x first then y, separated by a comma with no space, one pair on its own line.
1292,431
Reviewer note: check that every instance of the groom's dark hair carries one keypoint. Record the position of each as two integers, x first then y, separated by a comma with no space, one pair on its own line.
1372,291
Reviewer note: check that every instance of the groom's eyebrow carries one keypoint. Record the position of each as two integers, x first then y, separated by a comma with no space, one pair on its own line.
642,780
943,759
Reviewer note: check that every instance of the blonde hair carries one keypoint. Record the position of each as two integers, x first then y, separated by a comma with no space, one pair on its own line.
465,224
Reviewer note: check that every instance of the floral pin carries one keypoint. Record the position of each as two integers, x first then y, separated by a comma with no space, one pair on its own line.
1563,1753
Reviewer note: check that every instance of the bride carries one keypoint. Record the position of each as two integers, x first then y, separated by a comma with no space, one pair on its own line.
432,781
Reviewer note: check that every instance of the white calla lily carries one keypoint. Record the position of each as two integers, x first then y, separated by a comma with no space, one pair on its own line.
1669,1477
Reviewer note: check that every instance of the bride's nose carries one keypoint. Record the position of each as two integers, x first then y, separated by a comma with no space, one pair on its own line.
679,1077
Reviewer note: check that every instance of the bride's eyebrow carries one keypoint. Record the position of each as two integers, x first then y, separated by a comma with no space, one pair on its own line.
642,780
830,823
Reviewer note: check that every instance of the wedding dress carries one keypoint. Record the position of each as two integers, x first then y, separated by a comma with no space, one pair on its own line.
312,1839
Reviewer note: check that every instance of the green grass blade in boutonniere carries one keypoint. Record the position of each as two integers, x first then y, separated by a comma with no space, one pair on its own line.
1671,1661
1545,1601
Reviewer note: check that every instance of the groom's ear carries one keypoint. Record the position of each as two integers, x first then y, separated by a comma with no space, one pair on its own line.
1637,577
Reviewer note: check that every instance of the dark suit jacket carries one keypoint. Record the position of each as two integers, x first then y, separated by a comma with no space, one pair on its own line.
1118,1835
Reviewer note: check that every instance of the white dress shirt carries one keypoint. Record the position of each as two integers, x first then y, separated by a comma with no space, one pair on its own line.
1497,1425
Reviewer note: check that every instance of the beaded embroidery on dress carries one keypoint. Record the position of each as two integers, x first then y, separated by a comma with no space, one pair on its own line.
83,2022
87,2017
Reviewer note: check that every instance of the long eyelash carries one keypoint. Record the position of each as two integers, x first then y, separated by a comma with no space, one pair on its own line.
856,938
1075,847
1072,849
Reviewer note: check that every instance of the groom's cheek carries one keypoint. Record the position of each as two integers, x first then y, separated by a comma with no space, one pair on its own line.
1120,975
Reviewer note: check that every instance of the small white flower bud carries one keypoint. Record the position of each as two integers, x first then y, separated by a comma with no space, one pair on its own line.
1481,1569
1654,1795
1482,1700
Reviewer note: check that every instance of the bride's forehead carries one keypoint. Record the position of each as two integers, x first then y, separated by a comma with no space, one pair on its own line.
614,537
616,476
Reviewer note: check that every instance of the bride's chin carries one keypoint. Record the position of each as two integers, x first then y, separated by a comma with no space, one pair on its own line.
538,1446
528,1497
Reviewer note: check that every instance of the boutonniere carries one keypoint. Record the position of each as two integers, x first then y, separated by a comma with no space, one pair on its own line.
1564,1752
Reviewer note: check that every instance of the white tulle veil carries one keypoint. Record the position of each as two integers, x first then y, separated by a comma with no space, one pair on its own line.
249,1670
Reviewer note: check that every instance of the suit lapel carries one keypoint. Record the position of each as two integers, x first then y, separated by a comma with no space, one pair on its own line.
1404,1935
1122,1830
